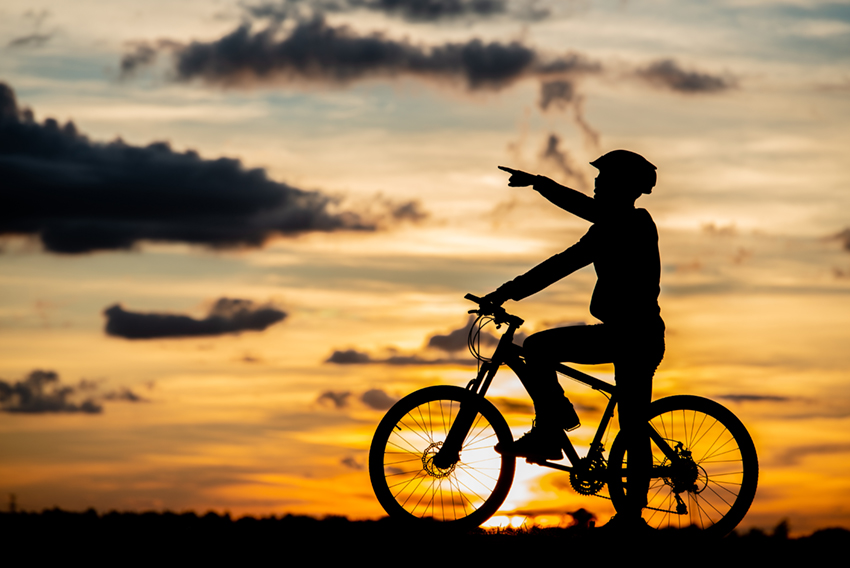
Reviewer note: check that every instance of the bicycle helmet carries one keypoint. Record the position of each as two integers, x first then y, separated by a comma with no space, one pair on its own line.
628,165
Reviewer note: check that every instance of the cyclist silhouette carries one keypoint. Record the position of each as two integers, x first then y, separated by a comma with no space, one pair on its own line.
622,244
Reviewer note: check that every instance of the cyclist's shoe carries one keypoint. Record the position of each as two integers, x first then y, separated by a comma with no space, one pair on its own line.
539,444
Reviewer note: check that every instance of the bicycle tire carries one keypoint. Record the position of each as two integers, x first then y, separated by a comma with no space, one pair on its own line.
412,489
726,473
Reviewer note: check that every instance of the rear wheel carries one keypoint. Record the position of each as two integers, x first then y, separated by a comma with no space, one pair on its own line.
411,487
712,483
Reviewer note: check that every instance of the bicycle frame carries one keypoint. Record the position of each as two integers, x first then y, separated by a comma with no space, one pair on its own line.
510,354
704,463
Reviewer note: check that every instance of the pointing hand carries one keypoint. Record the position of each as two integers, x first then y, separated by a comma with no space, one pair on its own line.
519,178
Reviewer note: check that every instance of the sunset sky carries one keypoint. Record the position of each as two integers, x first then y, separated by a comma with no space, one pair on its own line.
230,229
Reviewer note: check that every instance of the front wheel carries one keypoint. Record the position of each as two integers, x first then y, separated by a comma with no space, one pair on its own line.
407,482
712,481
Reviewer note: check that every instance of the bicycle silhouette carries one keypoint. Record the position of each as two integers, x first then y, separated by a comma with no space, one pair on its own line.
432,457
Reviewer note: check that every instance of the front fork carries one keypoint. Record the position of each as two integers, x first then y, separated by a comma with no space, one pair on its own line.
449,453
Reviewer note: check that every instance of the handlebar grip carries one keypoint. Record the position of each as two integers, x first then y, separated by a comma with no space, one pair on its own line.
473,298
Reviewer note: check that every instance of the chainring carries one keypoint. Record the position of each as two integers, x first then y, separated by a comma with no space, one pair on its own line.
587,476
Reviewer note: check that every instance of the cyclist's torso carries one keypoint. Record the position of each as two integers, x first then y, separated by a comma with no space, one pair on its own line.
624,249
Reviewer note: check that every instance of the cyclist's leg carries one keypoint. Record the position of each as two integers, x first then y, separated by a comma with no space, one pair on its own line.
587,344
639,353
554,411
634,393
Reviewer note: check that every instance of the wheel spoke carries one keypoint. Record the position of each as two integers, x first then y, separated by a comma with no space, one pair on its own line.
717,479
401,467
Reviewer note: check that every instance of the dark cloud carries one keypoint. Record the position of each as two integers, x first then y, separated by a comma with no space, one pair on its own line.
409,211
412,10
141,54
338,398
377,399
433,10
41,393
415,359
667,74
354,357
753,398
80,196
226,316
314,50
456,340
352,462
349,357
124,394
373,398
138,56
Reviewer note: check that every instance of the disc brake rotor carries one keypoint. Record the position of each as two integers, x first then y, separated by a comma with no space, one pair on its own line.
428,462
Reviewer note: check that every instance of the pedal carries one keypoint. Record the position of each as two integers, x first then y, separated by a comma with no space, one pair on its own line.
681,508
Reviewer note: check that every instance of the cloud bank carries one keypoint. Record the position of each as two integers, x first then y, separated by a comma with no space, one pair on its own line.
226,316
80,196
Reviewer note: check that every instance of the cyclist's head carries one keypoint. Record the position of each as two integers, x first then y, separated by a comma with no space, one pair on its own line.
627,171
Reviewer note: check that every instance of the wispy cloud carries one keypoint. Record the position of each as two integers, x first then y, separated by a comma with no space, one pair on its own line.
36,38
338,398
451,342
375,399
668,74
753,398
793,456
844,237
227,315
558,158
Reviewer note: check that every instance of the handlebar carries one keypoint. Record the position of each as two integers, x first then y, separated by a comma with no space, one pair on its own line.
499,314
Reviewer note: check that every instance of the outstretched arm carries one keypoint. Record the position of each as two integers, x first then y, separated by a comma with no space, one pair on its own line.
547,272
567,199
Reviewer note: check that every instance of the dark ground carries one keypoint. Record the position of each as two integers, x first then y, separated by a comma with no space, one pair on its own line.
119,538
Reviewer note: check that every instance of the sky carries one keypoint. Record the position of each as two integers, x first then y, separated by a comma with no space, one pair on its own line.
231,230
